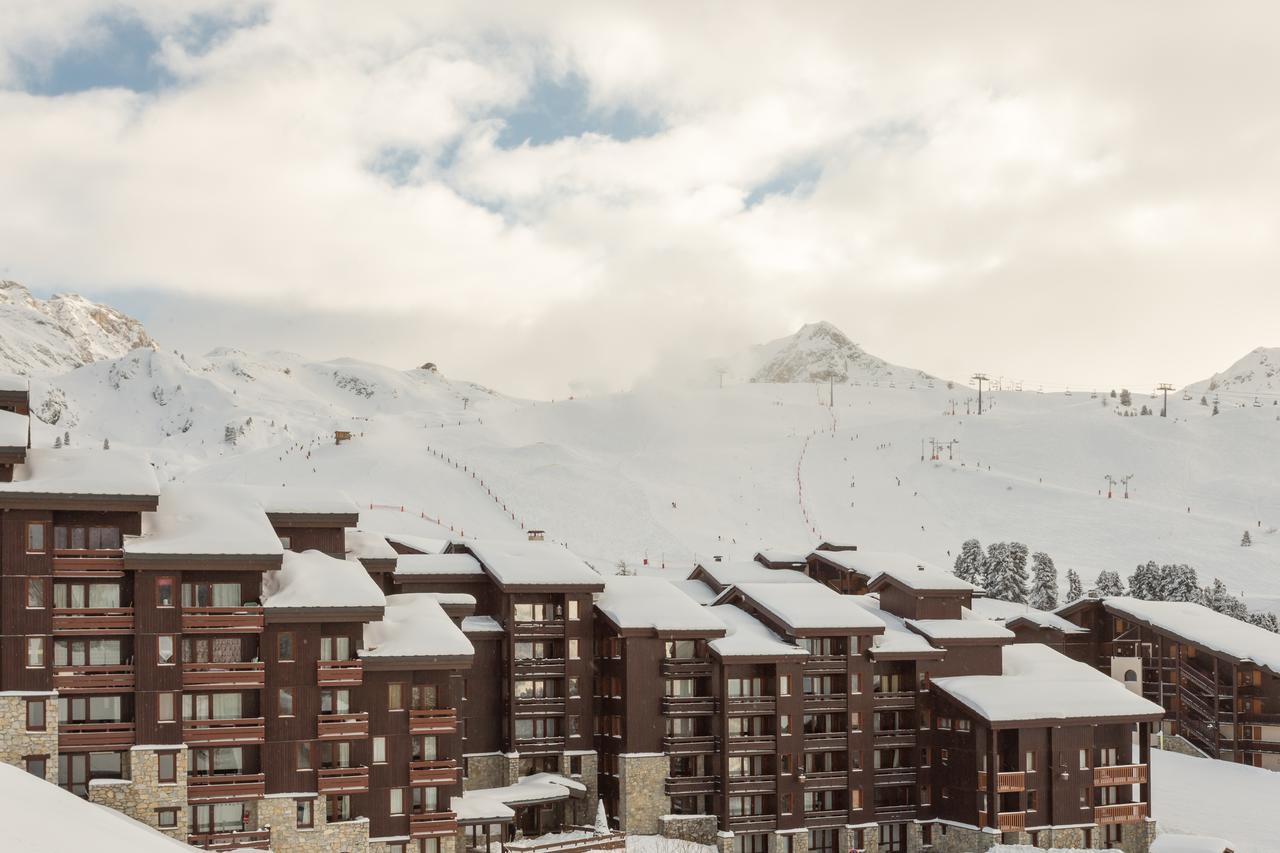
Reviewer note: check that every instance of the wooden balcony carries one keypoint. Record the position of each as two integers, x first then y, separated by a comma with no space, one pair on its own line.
687,668
532,668
95,737
890,701
340,673
679,786
436,721
891,738
1006,783
222,620
354,724
95,565
1120,813
687,744
1121,774
895,775
551,629
93,679
751,704
432,824
823,779
751,743
820,664
250,675
1011,821
825,741
225,788
244,731
342,780
825,702
688,705
92,620
440,772
752,822
258,839
743,785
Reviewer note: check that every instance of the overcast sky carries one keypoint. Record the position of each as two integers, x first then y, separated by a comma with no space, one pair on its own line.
536,194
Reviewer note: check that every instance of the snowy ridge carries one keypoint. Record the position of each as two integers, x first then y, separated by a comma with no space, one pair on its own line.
1256,373
818,352
60,333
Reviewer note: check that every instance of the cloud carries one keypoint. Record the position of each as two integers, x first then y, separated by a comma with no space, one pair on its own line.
572,192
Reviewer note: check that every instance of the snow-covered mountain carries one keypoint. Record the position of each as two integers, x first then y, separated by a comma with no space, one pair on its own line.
62,332
1257,373
817,352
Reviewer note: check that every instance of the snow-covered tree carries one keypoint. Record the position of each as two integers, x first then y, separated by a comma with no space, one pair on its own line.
1217,598
229,434
1179,583
1003,577
1204,401
66,438
1109,584
602,819
969,562
1075,589
57,443
1044,582
106,444
1265,620
1126,399
1215,408
1147,582
1113,393
1245,541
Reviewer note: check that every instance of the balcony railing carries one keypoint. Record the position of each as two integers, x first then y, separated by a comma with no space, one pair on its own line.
895,775
439,772
555,628
897,811
93,620
686,705
77,679
826,741
822,779
246,675
258,839
1007,782
225,788
679,786
1121,774
223,620
752,784
897,699
342,780
233,732
686,744
752,822
1120,813
100,565
826,664
751,743
435,721
340,673
353,724
431,824
751,704
685,668
536,666
825,701
95,737
1011,821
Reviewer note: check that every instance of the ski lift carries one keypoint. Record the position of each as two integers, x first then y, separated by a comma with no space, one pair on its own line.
1257,404
1186,396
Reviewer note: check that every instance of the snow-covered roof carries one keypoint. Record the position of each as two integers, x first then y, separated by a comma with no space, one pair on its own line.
960,629
897,638
749,571
414,625
495,803
774,555
83,472
481,625
295,500
205,520
906,569
697,590
367,545
421,544
747,636
40,816
314,579
438,564
10,382
653,603
526,563
1204,627
13,429
1038,683
453,599
810,606
996,610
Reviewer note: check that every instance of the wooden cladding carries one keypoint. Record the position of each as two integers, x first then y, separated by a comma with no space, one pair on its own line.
437,721
249,675
346,726
432,824
1009,782
1120,813
93,620
225,788
339,673
223,620
342,780
1124,774
95,737
91,679
244,731
433,772
88,567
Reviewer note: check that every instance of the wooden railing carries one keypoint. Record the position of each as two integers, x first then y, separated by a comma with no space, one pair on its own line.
1121,774
340,673
342,780
752,704
438,772
429,824
894,699
93,620
222,620
686,785
224,788
258,839
1011,781
233,732
688,705
684,668
435,721
75,679
354,724
1119,813
1011,821
94,737
97,567
249,675
685,744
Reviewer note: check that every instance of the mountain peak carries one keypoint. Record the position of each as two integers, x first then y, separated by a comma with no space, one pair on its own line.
1257,373
819,352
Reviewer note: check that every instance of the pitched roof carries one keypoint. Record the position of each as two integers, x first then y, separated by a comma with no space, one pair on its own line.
313,579
647,603
82,472
747,636
1203,627
1009,613
524,563
810,607
414,625
13,429
205,520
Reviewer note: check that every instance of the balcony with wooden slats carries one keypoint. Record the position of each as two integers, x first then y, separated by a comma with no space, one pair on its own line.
257,839
738,745
689,668
98,621
434,721
679,786
893,700
688,744
751,704
744,785
340,673
436,772
223,620
1009,782
432,824
1011,821
1120,774
688,705
1120,813
242,731
354,724
225,788
95,737
96,565
817,702
93,679
342,780
249,675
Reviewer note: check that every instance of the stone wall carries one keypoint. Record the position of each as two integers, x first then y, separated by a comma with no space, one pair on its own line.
799,840
700,829
583,812
448,844
278,813
642,796
141,795
959,839
1138,837
16,743
485,771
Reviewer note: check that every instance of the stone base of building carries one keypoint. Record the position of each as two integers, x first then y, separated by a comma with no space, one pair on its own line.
488,770
699,828
582,812
279,814
642,799
17,743
142,796
448,844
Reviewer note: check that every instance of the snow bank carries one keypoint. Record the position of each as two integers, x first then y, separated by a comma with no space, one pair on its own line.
83,472
960,629
481,625
421,544
1204,627
749,571
653,603
10,382
213,520
1165,843
495,803
414,625
365,544
314,579
1194,796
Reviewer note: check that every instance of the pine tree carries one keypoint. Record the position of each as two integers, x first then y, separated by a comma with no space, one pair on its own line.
969,563
1204,401
57,443
1179,583
1044,585
1245,541
1215,408
993,565
1113,393
1004,580
1109,584
1145,582
66,438
1126,399
1075,590
229,434
1265,620
1217,598
106,444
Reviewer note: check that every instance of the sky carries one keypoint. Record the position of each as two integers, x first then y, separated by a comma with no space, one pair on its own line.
554,196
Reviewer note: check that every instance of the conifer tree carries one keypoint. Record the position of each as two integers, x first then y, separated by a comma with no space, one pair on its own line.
1075,590
1109,584
1245,541
1179,583
1004,579
1044,583
1146,582
1265,620
969,563
57,443
106,444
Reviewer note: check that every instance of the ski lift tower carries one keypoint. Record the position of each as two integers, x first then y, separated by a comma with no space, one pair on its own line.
1166,388
980,378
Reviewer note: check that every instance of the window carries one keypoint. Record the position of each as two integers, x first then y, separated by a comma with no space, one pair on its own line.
784,724
855,798
573,610
76,595
1032,801
784,763
855,721
284,646
756,842
164,592
963,725
380,752
573,690
944,756
575,723
35,715
573,650
395,697
1031,762
397,800
339,808
335,701
304,756
575,765
166,818
212,706
425,697
165,708
425,748
35,538
784,685
208,594
35,593
1084,759
1084,798
284,703
36,764
286,542
166,767
335,648
35,652
944,724
165,645
305,814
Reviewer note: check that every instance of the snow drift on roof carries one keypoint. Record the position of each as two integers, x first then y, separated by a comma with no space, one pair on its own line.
522,562
749,571
495,803
910,571
481,625
10,383
83,472
292,500
960,629
1205,627
1006,611
810,606
897,637
1040,684
421,544
697,590
775,555
438,564
213,520
414,625
314,579
13,429
367,545
645,602
748,637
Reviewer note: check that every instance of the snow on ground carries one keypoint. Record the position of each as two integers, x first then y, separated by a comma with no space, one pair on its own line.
658,844
1199,796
